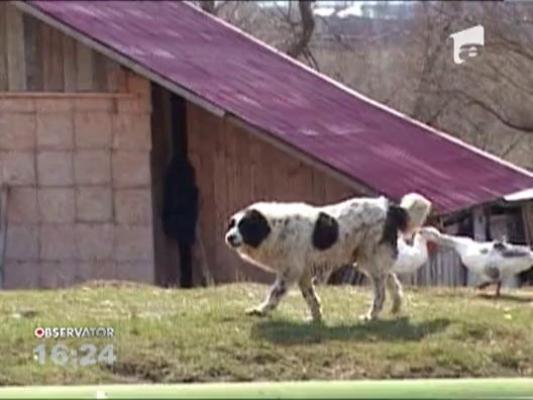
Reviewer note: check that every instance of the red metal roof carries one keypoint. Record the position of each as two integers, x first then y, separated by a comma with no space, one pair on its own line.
365,141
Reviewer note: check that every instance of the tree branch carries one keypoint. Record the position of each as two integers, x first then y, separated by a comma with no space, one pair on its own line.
499,115
513,145
208,6
308,26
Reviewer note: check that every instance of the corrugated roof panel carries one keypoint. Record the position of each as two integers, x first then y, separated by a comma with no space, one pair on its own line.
365,141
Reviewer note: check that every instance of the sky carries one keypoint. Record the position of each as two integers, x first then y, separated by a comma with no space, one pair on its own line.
326,8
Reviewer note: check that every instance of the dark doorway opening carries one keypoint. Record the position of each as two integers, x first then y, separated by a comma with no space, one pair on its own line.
175,192
180,203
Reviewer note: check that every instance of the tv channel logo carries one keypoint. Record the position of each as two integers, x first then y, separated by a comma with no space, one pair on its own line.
467,43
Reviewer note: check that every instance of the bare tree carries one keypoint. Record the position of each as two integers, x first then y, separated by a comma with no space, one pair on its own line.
305,31
208,6
406,62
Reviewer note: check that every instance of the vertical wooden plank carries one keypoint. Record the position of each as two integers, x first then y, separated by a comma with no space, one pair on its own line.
114,76
4,78
232,266
268,188
15,50
527,218
53,76
318,187
242,168
527,221
157,161
3,229
205,143
221,196
84,62
304,183
45,33
201,136
244,163
256,167
194,148
70,75
33,53
242,187
197,164
480,226
100,73
233,269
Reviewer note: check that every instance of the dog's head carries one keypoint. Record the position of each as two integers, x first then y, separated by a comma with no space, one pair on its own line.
247,228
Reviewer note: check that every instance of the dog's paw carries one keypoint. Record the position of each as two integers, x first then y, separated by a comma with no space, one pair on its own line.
314,320
256,311
396,310
366,317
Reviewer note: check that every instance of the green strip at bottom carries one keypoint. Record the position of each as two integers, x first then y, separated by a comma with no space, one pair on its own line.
495,388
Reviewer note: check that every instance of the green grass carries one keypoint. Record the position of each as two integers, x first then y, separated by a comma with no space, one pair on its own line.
500,388
202,335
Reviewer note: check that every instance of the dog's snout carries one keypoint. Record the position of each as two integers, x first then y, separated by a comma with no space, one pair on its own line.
233,240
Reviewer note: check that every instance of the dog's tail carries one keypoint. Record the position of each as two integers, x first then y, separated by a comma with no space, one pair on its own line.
418,208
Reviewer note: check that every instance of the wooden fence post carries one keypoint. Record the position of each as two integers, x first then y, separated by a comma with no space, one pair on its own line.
3,230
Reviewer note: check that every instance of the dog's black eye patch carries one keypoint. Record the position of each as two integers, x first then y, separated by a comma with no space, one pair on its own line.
254,228
325,232
231,223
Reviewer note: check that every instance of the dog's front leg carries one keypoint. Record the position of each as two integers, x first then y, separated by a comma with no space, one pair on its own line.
311,298
378,285
277,291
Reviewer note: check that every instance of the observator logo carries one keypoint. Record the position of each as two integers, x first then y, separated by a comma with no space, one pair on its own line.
73,332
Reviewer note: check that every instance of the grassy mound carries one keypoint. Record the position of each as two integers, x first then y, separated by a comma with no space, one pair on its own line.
202,335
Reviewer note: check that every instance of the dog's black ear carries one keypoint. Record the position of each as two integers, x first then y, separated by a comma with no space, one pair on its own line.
397,217
325,232
254,228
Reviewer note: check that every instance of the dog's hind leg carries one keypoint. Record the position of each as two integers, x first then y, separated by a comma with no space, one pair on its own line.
395,289
378,285
311,298
277,291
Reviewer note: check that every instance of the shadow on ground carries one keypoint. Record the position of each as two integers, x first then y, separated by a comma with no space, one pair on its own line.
507,297
293,332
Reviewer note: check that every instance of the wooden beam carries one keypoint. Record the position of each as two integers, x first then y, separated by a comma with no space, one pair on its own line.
66,95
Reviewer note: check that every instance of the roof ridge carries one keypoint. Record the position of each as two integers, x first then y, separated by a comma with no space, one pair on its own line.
362,97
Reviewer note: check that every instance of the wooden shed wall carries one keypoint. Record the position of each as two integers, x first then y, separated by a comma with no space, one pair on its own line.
36,57
234,169
527,215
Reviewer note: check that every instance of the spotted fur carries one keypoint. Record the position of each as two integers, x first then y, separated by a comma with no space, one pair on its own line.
325,231
300,242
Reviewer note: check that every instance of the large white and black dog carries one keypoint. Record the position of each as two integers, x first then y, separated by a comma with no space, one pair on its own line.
298,242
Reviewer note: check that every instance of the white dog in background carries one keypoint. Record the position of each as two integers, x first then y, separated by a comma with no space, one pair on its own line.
298,241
